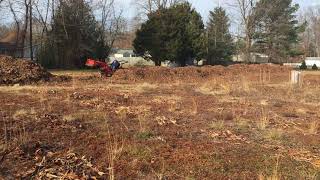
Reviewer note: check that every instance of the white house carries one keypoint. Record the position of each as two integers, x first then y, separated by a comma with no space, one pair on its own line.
310,61
121,53
254,58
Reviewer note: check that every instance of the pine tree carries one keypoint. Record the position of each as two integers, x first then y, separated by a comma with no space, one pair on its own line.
174,33
315,67
76,36
220,43
277,28
303,65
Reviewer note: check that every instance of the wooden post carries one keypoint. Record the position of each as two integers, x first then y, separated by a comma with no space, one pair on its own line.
296,77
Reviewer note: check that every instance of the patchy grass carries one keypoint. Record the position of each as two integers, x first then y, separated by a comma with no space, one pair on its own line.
314,127
217,125
263,122
140,152
214,88
273,134
144,135
242,125
85,115
149,130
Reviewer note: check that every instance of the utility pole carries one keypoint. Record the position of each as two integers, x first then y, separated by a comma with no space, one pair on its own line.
30,18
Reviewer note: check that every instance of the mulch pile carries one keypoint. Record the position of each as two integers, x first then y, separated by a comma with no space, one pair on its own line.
191,73
21,71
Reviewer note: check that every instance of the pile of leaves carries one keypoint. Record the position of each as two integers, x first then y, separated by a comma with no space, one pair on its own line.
65,166
21,71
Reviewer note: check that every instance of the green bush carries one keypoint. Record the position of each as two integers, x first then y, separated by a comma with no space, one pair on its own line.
303,65
314,67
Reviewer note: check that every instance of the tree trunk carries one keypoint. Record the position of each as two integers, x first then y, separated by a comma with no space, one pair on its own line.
30,18
17,30
247,51
17,40
157,62
25,27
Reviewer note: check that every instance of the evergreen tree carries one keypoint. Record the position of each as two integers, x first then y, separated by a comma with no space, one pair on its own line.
76,35
277,28
220,43
174,33
303,65
315,67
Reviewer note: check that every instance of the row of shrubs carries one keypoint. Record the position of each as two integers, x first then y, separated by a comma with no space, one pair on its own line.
304,66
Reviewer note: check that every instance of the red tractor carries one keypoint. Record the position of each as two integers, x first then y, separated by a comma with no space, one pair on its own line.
105,69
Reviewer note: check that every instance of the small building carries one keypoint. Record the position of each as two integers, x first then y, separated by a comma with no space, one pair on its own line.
310,61
258,58
10,49
121,53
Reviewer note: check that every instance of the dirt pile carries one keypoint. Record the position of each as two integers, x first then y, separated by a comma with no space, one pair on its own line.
164,74
20,71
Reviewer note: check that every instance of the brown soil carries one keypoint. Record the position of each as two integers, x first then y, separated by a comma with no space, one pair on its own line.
21,71
238,122
193,74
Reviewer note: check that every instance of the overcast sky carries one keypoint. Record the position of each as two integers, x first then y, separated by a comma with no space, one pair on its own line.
204,6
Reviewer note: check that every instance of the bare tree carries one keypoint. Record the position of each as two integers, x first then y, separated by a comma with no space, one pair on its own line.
1,8
245,9
149,6
315,27
112,21
42,15
25,26
30,30
311,37
20,12
116,27
15,17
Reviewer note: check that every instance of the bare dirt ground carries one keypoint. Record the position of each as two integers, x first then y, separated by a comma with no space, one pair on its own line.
240,122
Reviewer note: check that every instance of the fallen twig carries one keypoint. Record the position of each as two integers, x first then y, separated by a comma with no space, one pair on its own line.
3,155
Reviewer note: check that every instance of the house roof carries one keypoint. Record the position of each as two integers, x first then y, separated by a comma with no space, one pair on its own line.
9,37
124,51
12,46
313,58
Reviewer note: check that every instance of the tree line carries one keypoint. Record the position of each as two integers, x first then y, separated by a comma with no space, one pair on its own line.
66,32
177,33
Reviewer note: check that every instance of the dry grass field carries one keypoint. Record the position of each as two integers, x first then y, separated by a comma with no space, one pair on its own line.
240,122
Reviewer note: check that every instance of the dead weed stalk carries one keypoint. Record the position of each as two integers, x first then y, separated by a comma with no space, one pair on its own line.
122,113
194,108
275,173
160,174
263,122
15,135
114,150
142,121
